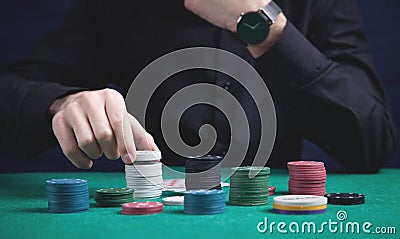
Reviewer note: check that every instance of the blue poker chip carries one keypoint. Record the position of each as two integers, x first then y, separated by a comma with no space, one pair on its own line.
67,195
204,202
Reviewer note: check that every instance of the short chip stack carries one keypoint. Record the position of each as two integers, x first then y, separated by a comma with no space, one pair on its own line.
113,197
271,190
204,202
142,208
145,175
246,191
345,198
67,195
299,204
203,172
307,178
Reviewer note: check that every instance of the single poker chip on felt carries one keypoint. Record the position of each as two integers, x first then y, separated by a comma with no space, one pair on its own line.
174,201
345,198
142,208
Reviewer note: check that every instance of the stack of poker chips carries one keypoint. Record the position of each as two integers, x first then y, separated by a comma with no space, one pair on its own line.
67,195
307,178
299,204
345,198
271,190
203,173
142,208
145,175
249,191
113,197
204,202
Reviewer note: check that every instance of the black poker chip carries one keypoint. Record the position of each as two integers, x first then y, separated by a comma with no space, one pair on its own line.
203,172
345,198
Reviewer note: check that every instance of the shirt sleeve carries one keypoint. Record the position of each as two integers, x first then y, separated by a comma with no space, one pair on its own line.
60,64
334,96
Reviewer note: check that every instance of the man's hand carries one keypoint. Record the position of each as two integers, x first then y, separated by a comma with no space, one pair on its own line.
224,14
90,123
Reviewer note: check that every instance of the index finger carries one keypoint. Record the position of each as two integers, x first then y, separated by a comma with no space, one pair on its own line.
117,116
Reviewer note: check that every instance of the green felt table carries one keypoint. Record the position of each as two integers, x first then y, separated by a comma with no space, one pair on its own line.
24,212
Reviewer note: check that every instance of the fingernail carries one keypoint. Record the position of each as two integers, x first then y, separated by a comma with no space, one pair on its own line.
127,159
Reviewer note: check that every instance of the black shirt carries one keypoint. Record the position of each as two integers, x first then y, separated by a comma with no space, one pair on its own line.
319,73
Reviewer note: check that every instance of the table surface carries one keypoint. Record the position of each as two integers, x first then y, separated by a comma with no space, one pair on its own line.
24,211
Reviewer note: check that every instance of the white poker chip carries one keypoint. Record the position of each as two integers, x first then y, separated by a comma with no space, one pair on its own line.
174,201
143,156
144,176
300,200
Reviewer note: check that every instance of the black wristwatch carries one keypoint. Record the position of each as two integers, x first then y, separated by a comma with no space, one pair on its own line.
253,27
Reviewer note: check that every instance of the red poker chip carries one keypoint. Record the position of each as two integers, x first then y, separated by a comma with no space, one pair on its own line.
305,176
306,192
307,171
142,208
307,186
303,191
311,172
271,190
305,163
308,180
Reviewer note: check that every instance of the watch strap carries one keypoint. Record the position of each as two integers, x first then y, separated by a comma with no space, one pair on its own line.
271,11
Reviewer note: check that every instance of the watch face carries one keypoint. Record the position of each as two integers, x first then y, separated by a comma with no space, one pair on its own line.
253,28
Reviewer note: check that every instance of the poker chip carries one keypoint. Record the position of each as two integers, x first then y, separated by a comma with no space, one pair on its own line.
67,195
113,197
204,202
247,191
142,208
145,156
299,204
307,178
345,198
271,190
298,208
299,212
203,172
174,201
145,175
300,200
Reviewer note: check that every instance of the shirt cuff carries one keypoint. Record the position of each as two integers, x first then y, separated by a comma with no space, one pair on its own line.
293,59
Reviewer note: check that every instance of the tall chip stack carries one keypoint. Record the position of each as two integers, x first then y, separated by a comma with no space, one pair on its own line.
145,175
307,178
249,191
203,172
67,195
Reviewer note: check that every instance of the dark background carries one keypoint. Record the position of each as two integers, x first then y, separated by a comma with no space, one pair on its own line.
22,21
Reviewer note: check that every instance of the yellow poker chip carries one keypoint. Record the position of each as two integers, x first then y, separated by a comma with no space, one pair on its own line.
298,208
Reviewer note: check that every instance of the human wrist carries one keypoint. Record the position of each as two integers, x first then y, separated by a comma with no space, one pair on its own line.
276,30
